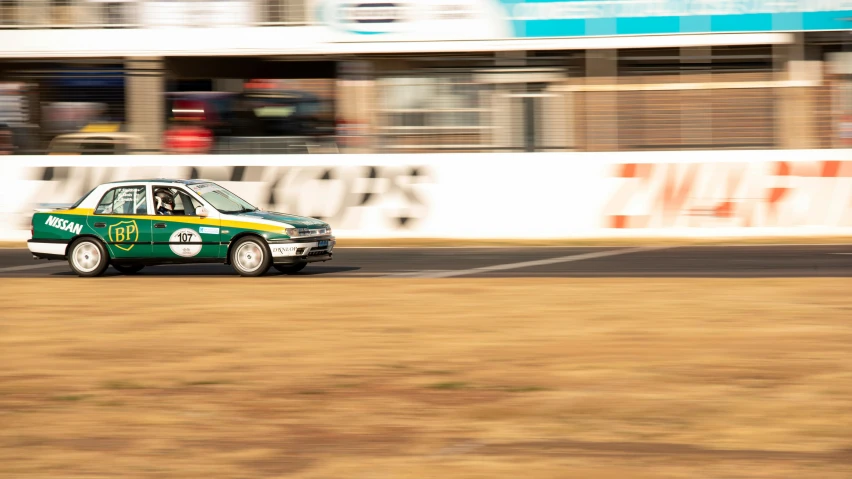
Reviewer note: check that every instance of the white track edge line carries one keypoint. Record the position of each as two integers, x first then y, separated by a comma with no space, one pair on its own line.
541,262
12,269
729,245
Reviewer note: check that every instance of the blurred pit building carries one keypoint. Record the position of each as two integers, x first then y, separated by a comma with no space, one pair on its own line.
416,76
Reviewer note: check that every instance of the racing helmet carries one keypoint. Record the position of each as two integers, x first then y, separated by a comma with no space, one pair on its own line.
164,199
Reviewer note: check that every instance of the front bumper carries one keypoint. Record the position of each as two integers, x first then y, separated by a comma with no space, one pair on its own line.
304,250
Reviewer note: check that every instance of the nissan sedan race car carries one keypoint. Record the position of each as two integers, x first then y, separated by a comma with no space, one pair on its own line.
133,224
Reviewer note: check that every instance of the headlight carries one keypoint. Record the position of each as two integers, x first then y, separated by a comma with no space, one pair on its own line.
291,232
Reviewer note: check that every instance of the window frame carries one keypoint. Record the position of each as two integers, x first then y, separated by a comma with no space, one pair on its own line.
148,207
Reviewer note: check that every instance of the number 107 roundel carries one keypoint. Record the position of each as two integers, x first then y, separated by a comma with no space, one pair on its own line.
133,224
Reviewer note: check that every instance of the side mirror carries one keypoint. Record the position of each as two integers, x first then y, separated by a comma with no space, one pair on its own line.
202,212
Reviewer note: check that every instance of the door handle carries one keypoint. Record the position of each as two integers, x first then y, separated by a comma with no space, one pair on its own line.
100,225
159,225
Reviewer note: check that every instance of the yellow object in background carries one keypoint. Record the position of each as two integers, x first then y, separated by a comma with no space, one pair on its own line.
101,128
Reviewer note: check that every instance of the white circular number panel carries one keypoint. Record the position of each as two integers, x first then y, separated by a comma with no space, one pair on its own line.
181,242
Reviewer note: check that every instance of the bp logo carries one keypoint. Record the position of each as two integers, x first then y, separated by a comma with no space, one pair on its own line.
185,242
124,232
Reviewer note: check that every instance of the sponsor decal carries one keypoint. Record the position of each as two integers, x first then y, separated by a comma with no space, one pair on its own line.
64,225
206,230
283,250
204,187
348,197
124,232
185,242
778,194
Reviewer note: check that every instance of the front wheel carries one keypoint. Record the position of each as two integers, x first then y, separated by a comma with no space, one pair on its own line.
250,257
88,257
290,268
128,268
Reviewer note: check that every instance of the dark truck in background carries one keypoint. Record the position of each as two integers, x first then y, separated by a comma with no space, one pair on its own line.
251,122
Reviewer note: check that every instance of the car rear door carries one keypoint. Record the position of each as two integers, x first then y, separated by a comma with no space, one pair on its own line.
121,220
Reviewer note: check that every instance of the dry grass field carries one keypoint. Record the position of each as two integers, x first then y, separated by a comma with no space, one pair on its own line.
470,378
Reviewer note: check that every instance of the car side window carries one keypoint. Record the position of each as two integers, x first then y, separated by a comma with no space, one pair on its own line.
125,200
184,203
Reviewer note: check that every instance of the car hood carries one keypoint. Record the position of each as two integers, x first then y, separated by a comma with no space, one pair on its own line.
292,220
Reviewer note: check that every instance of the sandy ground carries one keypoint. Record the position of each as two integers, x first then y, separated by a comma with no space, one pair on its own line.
233,378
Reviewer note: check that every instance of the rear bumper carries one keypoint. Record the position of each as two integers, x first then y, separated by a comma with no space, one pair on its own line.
302,251
47,250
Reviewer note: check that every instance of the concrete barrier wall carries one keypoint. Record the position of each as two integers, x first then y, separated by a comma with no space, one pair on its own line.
501,196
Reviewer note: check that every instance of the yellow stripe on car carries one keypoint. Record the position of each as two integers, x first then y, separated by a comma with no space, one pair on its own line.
185,220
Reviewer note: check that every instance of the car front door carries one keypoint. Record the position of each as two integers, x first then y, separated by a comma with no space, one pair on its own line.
184,234
121,220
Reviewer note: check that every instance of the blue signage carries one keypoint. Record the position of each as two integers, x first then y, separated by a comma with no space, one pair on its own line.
375,20
570,18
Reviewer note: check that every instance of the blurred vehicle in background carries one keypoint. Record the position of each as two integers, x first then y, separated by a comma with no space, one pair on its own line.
259,120
209,110
188,140
94,143
64,117
287,113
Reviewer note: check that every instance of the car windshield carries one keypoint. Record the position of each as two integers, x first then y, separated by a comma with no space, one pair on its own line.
222,199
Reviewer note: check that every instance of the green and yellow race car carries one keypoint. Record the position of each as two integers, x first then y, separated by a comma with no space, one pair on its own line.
133,224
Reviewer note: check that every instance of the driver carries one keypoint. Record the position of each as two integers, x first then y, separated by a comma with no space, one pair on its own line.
165,201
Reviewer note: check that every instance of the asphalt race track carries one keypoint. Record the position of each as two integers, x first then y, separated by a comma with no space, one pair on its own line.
774,261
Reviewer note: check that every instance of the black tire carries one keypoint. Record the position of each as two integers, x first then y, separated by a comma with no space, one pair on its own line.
244,257
290,268
128,268
88,257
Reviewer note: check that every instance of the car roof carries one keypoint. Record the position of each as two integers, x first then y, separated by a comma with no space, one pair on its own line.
163,180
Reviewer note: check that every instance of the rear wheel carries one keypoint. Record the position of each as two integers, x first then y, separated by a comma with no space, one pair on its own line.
128,268
88,257
250,257
290,268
